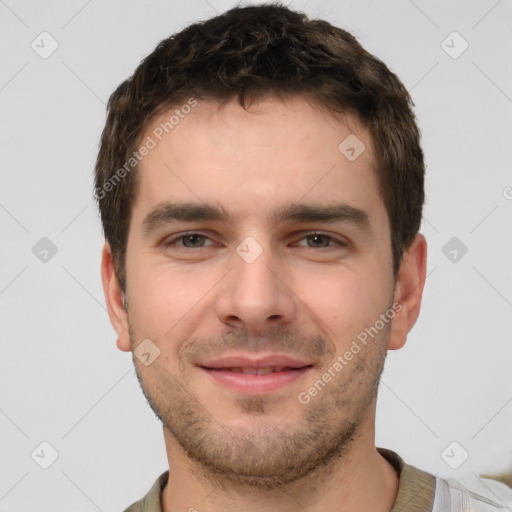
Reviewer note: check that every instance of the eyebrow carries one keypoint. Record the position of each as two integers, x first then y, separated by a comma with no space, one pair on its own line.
167,212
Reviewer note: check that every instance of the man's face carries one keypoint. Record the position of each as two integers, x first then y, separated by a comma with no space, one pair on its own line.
253,285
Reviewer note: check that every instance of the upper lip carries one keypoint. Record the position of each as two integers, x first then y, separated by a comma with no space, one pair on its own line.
267,361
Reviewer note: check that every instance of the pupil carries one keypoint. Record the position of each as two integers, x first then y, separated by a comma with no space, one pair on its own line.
317,237
192,238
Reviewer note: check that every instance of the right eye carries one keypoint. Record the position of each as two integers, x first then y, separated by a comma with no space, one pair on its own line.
190,240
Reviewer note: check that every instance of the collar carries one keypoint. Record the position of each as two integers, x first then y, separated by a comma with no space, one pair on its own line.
416,488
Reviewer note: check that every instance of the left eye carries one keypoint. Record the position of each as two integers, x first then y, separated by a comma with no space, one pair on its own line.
321,240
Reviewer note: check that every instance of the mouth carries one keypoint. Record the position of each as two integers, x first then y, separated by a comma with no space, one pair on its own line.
256,371
256,376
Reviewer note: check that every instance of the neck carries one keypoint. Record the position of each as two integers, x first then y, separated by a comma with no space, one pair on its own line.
362,479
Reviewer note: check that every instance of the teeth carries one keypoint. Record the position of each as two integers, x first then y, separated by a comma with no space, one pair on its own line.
257,371
263,371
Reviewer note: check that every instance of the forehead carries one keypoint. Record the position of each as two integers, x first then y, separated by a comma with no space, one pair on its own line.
252,161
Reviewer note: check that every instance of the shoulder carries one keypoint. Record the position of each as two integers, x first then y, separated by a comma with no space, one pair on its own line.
477,495
420,491
151,501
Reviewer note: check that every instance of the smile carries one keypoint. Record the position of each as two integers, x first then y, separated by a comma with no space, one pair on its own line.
256,381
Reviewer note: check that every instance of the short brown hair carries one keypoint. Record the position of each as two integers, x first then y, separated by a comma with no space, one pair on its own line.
251,52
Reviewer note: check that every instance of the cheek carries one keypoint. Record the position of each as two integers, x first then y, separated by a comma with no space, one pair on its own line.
165,299
343,300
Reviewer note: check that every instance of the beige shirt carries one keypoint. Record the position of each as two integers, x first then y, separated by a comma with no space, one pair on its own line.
416,488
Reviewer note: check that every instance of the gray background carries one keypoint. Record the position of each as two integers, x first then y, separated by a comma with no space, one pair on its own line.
62,379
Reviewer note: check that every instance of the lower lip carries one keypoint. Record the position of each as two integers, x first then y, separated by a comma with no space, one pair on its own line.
251,384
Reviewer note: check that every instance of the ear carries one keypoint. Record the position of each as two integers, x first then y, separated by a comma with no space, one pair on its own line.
408,291
114,298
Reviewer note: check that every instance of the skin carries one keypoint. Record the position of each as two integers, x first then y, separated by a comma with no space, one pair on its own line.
229,451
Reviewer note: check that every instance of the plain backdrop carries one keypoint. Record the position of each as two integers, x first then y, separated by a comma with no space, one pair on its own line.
445,398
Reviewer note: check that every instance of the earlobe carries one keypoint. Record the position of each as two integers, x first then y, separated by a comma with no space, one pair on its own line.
409,291
115,300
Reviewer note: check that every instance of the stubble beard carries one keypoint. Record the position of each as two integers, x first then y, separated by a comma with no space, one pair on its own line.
269,454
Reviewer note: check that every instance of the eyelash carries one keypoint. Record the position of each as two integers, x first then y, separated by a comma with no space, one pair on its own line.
169,243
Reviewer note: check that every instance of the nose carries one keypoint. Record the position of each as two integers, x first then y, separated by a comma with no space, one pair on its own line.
255,295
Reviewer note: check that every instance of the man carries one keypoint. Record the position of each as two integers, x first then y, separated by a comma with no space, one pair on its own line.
260,183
